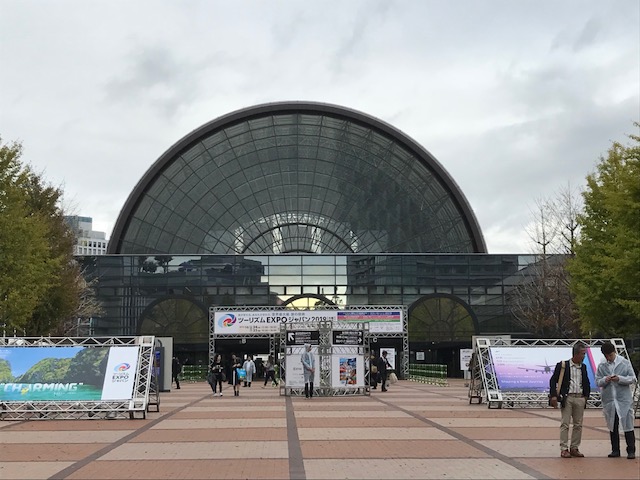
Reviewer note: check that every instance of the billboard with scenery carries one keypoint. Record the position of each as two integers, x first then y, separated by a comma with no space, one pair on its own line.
529,368
67,373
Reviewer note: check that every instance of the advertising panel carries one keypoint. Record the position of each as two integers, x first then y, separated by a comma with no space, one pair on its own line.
380,321
347,370
268,321
293,368
529,369
67,373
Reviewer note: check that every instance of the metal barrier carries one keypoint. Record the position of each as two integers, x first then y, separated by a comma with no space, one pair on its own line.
428,373
194,373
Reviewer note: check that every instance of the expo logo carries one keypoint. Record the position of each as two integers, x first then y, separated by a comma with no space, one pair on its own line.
227,320
123,367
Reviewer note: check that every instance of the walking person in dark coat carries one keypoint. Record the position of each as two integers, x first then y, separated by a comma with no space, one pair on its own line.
176,370
383,366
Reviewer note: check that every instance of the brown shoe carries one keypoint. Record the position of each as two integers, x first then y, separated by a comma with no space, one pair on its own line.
565,454
576,453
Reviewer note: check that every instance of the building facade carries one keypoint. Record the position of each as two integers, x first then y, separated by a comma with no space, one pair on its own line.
88,241
301,205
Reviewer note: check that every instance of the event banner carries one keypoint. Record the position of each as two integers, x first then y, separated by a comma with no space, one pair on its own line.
67,373
269,321
529,368
347,370
293,367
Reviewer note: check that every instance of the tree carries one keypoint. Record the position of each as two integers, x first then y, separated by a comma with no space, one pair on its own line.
606,268
27,270
541,300
39,285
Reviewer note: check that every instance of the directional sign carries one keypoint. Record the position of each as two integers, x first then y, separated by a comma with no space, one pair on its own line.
348,337
300,337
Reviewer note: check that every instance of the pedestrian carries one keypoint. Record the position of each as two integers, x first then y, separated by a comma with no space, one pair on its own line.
270,372
308,370
176,370
373,371
217,374
615,377
250,367
383,367
569,386
236,363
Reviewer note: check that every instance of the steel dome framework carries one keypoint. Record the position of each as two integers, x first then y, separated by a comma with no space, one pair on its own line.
296,177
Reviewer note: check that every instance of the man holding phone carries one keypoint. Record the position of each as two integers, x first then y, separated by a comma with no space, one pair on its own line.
615,378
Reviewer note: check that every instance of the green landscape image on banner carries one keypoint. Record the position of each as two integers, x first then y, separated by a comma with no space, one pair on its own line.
45,373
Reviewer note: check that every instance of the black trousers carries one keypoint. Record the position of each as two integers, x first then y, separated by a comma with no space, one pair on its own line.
175,379
270,375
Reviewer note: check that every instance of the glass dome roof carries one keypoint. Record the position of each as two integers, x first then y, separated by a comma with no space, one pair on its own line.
296,178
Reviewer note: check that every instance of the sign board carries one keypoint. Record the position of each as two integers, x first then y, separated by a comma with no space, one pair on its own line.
420,356
300,337
69,373
348,337
294,371
268,321
465,358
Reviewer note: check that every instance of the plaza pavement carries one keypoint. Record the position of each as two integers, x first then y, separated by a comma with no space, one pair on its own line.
413,431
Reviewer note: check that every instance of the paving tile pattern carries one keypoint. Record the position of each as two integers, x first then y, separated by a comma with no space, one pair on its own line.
413,431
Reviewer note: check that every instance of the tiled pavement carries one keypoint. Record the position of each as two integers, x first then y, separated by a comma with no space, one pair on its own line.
413,431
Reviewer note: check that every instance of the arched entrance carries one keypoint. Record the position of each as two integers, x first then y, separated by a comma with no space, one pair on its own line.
184,320
439,326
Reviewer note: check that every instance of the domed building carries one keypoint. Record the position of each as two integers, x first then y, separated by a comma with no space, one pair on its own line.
302,205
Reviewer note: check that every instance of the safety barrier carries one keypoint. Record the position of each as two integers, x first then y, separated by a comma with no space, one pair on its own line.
428,373
194,373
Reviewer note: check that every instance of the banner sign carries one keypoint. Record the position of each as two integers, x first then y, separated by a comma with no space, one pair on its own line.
529,369
300,337
348,337
269,321
67,373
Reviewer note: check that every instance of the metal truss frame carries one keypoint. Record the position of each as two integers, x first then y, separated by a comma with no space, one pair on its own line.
68,410
325,351
484,385
369,336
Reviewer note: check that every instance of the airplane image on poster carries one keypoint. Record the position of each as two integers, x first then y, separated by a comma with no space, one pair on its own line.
546,368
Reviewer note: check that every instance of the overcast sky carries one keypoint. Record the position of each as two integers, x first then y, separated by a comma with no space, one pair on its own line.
516,99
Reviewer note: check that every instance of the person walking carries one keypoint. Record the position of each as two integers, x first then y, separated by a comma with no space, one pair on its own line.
308,370
383,367
615,377
236,363
176,370
569,385
250,368
270,372
217,374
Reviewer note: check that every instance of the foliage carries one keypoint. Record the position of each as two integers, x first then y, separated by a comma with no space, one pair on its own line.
606,268
40,282
28,268
48,370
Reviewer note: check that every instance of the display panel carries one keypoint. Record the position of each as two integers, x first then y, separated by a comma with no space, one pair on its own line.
269,321
347,370
69,373
529,368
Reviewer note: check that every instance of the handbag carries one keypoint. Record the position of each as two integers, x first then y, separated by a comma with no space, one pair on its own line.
559,385
393,378
242,373
374,369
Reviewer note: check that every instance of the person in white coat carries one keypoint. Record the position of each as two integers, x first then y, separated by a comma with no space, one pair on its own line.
308,369
616,378
250,368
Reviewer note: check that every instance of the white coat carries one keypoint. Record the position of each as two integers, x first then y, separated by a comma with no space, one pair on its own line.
250,368
617,397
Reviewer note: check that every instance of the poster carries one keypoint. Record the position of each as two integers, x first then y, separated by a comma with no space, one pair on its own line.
529,369
347,370
69,373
